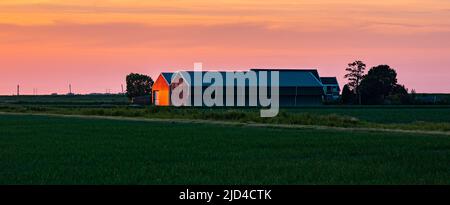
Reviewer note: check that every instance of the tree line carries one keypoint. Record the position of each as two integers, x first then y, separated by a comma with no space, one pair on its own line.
378,86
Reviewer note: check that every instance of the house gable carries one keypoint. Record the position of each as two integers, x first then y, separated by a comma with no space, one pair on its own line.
161,91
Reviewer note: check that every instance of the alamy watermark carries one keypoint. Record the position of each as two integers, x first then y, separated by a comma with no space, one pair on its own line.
217,89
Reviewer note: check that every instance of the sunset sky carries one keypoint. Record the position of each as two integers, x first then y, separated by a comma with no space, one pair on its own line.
47,44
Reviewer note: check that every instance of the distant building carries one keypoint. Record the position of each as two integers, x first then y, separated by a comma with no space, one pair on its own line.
331,89
298,87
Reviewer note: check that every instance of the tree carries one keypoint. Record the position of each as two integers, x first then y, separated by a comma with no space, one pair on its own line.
398,89
399,95
348,96
138,85
379,83
355,75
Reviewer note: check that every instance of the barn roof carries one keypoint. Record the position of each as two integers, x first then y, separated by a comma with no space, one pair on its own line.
296,78
288,78
168,77
329,80
312,71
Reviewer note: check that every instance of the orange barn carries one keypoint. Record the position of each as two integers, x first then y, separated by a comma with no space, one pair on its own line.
161,90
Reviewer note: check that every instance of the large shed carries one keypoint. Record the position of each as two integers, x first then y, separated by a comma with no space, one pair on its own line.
297,87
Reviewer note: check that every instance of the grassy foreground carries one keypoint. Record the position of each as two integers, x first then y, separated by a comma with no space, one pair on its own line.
55,150
432,118
415,117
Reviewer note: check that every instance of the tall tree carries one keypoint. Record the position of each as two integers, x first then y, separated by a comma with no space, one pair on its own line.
380,82
138,85
355,75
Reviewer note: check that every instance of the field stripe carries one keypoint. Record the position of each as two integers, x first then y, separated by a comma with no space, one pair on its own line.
228,123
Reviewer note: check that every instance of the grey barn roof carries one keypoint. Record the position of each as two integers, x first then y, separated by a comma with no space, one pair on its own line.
296,78
312,71
329,80
288,78
168,77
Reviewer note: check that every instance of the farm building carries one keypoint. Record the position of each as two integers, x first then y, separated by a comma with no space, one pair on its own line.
331,88
161,90
297,87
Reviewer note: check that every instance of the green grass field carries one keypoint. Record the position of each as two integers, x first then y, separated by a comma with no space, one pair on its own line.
426,118
66,100
117,105
59,150
386,114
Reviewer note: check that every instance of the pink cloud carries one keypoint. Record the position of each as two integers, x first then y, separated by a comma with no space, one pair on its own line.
95,57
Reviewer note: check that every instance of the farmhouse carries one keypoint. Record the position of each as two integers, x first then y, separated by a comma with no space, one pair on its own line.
297,87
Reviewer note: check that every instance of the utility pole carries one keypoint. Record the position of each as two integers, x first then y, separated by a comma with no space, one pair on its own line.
18,90
122,88
70,88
